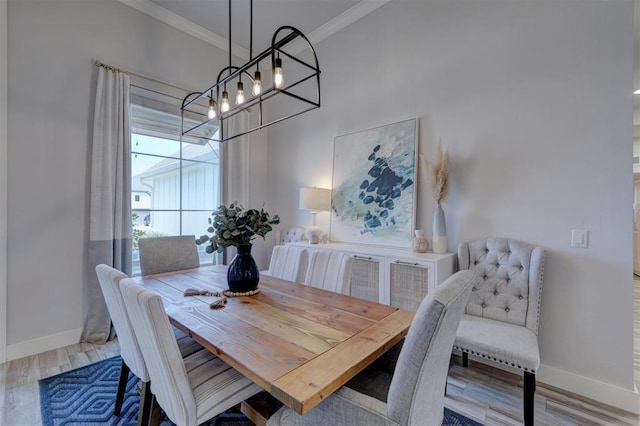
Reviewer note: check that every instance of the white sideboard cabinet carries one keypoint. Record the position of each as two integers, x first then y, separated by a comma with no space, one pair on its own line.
393,276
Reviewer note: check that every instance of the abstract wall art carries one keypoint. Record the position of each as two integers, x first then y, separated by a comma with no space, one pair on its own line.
374,192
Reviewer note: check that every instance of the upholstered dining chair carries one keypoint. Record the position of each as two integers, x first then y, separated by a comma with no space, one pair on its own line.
167,254
406,391
500,323
190,391
330,270
132,360
288,263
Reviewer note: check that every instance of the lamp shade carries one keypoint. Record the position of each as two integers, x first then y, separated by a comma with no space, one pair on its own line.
315,199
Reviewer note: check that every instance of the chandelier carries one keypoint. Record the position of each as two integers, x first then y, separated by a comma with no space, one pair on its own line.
287,88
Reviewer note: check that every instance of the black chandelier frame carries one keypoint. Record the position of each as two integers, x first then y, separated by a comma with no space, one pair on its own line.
282,37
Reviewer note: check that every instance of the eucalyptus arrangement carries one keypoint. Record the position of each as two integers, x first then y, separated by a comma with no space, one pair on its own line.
234,226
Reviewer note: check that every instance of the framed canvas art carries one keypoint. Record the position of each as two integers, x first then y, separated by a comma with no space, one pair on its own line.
374,192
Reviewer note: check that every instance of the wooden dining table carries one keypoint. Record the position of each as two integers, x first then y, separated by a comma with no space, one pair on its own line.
297,342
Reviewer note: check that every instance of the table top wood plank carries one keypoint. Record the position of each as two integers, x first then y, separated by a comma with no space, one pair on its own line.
183,280
313,336
257,354
317,312
298,342
365,308
321,376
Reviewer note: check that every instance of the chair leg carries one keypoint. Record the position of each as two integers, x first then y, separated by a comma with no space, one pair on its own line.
122,387
465,359
146,404
528,400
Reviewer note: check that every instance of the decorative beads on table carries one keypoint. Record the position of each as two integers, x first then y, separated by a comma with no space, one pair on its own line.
230,293
221,294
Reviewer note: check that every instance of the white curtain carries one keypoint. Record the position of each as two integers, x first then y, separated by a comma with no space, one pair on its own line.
110,214
235,160
234,168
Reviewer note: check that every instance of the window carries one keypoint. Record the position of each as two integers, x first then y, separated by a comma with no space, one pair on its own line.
174,185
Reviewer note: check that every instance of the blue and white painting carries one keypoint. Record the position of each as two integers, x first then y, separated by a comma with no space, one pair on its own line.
373,194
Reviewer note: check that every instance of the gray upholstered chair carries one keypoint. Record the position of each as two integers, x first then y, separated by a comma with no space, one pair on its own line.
411,390
330,270
291,234
190,391
167,254
288,263
501,318
132,360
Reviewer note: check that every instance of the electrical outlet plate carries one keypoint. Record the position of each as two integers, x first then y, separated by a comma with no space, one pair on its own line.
579,238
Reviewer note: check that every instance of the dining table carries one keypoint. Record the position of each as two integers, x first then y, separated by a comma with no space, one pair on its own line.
298,342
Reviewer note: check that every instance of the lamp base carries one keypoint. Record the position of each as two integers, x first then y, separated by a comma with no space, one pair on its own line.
313,233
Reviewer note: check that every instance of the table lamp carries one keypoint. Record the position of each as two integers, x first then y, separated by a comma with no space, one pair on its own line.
315,200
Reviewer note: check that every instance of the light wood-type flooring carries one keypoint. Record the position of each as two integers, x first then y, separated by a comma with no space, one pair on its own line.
483,393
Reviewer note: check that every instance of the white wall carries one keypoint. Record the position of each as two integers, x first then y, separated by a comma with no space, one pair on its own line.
533,99
3,178
50,102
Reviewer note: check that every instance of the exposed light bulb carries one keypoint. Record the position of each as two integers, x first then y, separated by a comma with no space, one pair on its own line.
240,94
257,84
278,78
224,105
212,109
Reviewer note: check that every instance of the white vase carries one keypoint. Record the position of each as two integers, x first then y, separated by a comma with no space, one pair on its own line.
420,243
439,242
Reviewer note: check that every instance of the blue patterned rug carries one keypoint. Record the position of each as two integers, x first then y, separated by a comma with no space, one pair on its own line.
85,396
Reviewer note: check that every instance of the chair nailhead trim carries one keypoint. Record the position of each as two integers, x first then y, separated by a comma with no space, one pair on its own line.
528,370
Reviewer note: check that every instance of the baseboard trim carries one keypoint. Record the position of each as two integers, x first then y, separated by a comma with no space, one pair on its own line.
43,344
624,399
606,393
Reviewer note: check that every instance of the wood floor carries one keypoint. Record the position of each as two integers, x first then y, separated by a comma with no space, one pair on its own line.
481,392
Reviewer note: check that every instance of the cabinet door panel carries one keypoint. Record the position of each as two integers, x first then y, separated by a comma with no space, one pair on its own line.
365,277
409,284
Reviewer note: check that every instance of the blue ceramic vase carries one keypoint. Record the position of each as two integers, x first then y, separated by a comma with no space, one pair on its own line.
243,274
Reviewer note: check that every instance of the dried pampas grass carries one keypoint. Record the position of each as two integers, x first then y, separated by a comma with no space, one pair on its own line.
438,173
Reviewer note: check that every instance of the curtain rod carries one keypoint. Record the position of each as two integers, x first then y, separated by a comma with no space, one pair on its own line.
97,63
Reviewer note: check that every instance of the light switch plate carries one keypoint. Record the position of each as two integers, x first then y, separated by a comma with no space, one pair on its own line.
579,238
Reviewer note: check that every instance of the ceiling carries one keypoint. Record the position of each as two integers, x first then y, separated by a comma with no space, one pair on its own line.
209,19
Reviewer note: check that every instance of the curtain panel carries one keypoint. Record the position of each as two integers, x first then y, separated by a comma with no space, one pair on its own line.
110,211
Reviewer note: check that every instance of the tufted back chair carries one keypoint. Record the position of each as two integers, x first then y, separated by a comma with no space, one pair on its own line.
500,323
511,280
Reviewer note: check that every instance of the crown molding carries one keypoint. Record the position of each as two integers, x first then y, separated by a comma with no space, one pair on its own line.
178,22
341,21
331,27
